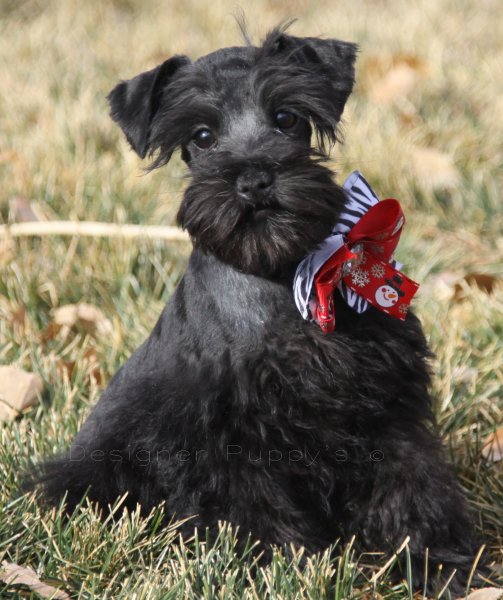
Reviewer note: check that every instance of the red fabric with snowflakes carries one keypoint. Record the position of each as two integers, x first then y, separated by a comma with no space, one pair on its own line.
363,264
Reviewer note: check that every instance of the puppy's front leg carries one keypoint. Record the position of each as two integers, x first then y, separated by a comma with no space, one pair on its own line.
414,493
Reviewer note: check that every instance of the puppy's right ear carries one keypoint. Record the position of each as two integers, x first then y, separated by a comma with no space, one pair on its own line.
134,103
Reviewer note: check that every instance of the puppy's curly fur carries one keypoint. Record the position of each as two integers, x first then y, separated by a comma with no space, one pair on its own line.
235,408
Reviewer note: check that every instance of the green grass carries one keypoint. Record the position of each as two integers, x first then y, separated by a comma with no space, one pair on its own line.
60,150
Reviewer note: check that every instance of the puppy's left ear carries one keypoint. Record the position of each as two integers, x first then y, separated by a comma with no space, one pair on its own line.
333,59
134,103
338,58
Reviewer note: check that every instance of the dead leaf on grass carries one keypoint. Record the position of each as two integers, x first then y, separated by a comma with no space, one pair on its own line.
18,316
18,163
83,316
493,446
18,391
7,156
483,281
22,210
16,575
93,366
489,593
464,374
434,169
92,370
439,285
50,332
393,78
66,367
399,82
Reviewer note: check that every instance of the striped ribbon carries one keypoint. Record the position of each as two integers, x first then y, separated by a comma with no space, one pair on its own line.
360,198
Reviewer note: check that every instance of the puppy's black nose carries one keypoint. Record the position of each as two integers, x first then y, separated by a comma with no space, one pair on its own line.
253,185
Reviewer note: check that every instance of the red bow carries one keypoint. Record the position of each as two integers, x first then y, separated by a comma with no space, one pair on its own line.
363,264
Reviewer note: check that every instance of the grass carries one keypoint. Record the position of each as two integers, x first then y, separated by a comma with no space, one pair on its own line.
59,150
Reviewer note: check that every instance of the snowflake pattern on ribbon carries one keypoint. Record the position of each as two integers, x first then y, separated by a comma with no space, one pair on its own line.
403,309
359,277
377,271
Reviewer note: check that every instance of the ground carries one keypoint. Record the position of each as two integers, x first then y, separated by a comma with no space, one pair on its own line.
424,126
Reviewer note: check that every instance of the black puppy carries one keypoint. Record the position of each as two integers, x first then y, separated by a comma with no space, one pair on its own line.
236,408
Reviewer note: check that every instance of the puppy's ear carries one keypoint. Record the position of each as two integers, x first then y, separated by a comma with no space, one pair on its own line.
333,59
134,103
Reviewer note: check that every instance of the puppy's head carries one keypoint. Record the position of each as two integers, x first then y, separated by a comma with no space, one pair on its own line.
259,197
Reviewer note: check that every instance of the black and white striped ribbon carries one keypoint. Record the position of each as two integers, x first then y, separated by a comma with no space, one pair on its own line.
360,197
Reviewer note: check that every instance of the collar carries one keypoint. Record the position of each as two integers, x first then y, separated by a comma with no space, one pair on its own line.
357,259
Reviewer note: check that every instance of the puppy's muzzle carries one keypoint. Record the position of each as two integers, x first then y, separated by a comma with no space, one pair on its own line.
253,187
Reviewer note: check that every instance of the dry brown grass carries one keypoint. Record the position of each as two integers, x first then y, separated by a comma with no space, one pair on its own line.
59,150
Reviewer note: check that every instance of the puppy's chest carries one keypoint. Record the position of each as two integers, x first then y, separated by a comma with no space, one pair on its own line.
249,329
243,308
251,309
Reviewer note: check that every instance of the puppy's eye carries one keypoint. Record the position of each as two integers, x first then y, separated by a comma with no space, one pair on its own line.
285,120
204,138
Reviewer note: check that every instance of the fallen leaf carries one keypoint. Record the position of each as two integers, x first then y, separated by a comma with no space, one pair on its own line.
439,285
93,368
22,210
8,156
493,446
489,593
92,371
18,391
18,316
376,66
13,574
464,374
50,332
410,118
434,169
18,163
484,281
392,78
397,83
83,316
66,367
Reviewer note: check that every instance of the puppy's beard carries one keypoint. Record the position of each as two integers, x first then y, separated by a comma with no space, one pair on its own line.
299,213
